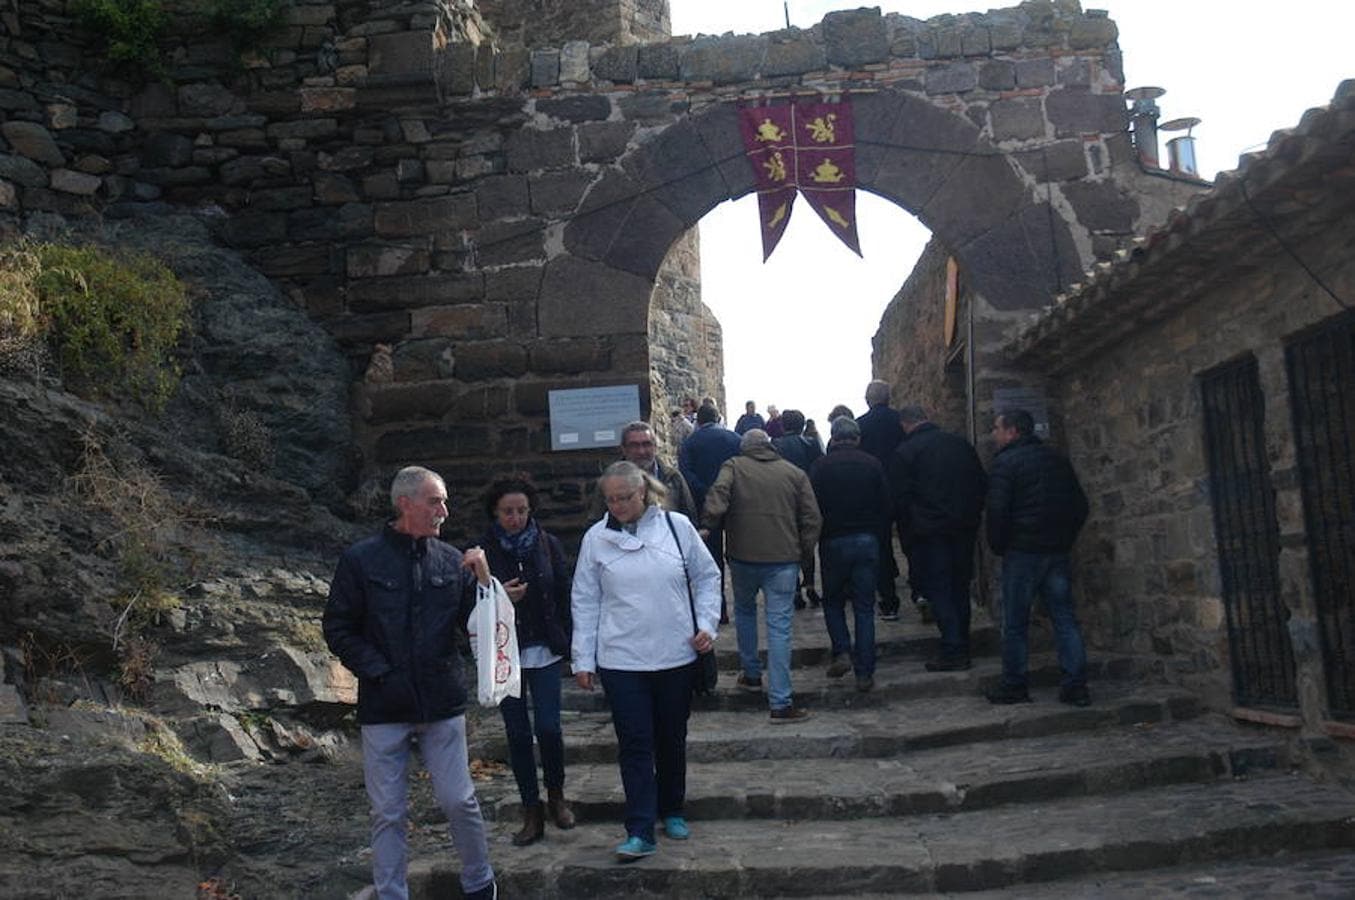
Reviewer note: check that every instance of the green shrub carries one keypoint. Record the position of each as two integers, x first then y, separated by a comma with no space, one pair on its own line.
131,31
112,322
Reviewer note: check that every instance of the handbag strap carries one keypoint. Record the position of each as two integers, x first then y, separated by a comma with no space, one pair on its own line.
686,577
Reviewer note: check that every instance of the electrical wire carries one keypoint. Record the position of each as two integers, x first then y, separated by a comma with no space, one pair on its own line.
1274,232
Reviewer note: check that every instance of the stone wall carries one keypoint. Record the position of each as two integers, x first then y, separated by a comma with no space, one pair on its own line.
477,224
910,352
1147,563
538,24
686,345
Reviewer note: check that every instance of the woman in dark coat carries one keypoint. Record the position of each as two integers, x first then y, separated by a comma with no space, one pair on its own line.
531,565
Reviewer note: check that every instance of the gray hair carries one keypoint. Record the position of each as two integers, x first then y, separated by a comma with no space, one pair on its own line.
912,414
846,429
754,437
877,392
637,478
408,480
639,426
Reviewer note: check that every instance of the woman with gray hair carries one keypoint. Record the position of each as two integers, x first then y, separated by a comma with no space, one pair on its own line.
646,601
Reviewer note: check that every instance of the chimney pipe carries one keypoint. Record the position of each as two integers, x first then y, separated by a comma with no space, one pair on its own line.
1181,150
1143,114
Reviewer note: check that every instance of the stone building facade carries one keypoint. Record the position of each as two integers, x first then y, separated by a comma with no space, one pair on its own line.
498,215
924,361
1205,397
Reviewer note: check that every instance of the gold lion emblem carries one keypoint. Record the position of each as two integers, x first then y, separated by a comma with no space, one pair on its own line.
822,129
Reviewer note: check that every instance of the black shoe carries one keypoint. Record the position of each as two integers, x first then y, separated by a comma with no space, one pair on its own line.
889,615
865,683
815,601
488,892
1008,695
949,664
799,601
1078,695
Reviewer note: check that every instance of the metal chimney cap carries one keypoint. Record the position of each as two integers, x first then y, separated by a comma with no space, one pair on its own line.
1185,123
1145,93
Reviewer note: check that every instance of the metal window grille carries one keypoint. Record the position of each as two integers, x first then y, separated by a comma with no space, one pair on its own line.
1247,531
1322,388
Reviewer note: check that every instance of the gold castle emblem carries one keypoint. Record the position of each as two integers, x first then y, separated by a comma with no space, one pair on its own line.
770,131
828,173
822,129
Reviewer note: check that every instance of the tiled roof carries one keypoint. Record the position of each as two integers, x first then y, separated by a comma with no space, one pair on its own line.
1302,179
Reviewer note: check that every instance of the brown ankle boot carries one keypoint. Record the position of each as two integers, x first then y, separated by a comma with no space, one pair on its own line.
533,825
560,813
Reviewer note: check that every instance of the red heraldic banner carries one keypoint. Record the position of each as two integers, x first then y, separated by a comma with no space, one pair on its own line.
807,147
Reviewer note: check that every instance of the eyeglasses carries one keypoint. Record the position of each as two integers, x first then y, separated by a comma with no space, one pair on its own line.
614,499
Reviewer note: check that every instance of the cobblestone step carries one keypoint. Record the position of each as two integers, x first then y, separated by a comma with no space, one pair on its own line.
882,731
1324,876
896,679
974,776
968,851
811,647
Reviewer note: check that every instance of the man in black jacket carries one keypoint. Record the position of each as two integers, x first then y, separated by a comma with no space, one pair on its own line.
880,435
396,605
853,497
795,448
938,485
1035,510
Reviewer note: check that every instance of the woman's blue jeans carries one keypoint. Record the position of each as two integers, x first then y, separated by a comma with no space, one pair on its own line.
544,686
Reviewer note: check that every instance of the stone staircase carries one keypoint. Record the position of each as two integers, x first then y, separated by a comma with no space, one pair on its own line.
922,786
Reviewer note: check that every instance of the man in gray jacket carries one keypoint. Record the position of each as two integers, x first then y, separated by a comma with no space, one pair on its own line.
771,522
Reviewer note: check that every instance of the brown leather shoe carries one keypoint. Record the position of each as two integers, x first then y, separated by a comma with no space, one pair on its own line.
559,810
533,825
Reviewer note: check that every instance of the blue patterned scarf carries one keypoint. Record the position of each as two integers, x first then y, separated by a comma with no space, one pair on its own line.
523,544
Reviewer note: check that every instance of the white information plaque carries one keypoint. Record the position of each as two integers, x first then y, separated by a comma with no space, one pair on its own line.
588,418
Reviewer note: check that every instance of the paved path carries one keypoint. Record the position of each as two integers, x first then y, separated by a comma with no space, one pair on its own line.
922,786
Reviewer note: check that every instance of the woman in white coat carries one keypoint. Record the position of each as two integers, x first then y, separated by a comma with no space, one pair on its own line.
633,631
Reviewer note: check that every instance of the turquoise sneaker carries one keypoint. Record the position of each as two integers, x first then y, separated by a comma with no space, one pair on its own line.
676,828
633,848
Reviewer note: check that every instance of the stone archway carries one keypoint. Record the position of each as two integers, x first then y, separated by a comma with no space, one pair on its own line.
934,164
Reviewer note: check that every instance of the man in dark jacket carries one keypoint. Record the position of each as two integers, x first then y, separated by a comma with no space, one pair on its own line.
1035,510
749,420
880,435
699,459
398,601
938,485
853,497
795,448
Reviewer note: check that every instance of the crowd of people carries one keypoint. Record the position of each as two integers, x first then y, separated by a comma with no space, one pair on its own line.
765,500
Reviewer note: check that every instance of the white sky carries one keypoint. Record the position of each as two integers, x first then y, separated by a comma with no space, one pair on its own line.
797,331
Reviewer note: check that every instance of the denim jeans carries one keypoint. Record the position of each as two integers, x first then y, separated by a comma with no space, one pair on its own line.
1024,575
849,568
777,583
649,714
944,565
544,686
385,769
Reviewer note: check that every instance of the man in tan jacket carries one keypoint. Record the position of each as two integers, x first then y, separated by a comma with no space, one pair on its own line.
771,522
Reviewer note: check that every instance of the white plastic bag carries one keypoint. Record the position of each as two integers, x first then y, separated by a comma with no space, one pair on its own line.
494,641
